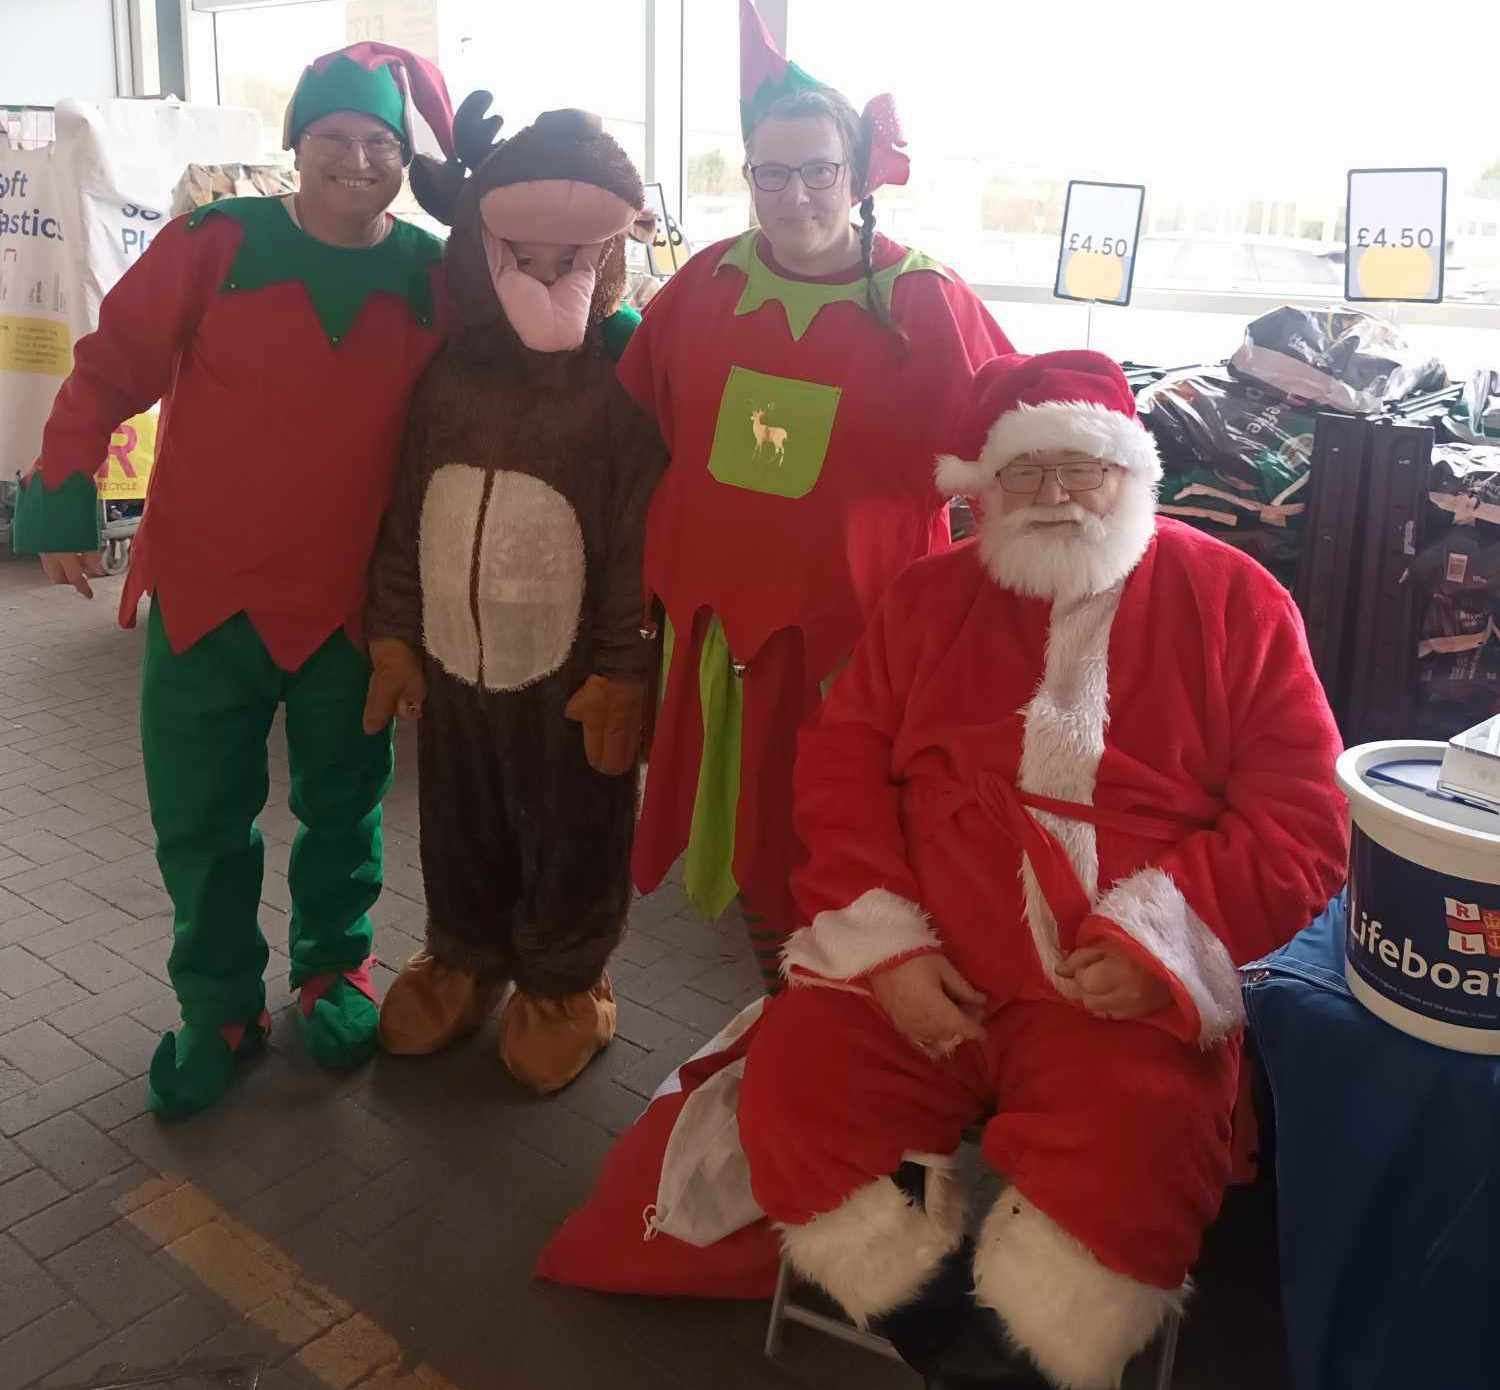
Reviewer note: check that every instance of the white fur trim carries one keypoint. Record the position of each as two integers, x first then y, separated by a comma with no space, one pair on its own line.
1080,1322
841,945
531,580
1084,426
1151,909
450,517
956,477
875,1251
1062,742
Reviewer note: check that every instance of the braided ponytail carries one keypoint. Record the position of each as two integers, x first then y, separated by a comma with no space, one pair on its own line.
878,306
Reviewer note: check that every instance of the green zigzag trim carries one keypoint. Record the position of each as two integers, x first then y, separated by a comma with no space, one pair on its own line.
338,279
801,299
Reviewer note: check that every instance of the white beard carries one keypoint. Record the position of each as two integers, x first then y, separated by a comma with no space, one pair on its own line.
1064,563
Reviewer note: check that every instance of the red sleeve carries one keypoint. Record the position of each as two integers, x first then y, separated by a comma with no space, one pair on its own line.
127,364
952,336
857,890
1279,850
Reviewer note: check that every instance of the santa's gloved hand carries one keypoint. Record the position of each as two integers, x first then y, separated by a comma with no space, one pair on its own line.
397,685
613,714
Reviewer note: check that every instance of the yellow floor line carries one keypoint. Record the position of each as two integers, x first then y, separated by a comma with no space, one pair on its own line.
332,1340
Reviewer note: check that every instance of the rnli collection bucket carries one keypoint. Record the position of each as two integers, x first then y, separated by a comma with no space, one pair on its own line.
1423,944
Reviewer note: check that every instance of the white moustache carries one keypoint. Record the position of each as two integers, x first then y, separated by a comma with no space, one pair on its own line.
1043,519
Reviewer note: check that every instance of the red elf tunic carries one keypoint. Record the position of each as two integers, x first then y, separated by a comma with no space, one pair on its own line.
284,366
803,435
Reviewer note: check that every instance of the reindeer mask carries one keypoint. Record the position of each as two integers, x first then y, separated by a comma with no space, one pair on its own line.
563,181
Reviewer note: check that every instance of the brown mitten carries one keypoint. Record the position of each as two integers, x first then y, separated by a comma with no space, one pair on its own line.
612,712
397,685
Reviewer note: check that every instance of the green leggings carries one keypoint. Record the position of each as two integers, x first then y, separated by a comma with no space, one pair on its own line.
205,717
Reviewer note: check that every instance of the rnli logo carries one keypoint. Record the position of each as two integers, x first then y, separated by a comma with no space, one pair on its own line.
1473,930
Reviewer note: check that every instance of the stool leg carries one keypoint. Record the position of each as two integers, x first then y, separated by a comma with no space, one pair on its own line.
1167,1360
778,1309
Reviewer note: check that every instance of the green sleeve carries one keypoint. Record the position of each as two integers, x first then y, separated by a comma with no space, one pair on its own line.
57,520
617,330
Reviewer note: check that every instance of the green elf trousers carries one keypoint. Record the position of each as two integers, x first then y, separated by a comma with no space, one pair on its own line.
206,715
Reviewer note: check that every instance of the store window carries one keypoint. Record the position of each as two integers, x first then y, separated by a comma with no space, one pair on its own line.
260,54
716,199
1242,132
530,57
535,58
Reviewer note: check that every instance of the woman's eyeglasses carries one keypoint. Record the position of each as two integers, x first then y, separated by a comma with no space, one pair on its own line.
816,175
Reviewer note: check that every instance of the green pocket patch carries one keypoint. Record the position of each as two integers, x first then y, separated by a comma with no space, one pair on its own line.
773,432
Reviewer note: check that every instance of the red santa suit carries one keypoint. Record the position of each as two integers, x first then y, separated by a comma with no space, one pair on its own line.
1037,746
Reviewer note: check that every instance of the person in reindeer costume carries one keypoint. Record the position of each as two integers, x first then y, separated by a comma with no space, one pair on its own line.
1077,770
505,599
284,337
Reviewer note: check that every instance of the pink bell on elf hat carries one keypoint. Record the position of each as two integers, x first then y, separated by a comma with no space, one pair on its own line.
766,76
1072,400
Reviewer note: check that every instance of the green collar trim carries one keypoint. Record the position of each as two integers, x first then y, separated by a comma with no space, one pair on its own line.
338,279
802,299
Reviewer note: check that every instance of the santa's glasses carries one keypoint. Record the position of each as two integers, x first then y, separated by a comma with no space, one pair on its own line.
1027,478
816,175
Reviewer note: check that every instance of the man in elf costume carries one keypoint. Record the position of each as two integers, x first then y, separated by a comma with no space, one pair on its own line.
505,597
1076,772
284,337
804,375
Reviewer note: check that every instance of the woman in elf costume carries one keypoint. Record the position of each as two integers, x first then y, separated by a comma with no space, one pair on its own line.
284,337
804,376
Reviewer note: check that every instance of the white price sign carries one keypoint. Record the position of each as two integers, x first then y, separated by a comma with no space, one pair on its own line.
1395,230
1101,226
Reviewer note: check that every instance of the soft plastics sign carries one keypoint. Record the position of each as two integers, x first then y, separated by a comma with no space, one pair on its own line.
73,218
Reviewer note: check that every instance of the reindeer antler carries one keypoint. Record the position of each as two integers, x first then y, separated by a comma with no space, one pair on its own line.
474,132
437,185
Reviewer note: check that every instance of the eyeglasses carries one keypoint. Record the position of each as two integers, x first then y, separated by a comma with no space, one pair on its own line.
379,149
816,175
1071,477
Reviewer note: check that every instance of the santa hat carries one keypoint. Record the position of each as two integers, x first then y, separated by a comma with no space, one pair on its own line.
1056,400
375,79
766,76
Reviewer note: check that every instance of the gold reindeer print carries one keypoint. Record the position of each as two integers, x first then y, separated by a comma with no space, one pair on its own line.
772,437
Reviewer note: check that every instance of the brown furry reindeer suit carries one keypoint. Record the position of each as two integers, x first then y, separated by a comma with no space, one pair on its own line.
505,599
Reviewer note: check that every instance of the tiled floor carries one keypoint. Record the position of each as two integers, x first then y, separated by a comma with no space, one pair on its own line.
371,1230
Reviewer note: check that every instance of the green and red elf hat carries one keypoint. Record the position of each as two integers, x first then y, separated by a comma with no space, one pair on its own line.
375,79
766,76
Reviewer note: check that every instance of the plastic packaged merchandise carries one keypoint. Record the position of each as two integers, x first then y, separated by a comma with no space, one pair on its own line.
1474,418
1335,359
1207,420
1457,571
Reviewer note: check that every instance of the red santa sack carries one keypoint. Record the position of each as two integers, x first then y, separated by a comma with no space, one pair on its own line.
664,1176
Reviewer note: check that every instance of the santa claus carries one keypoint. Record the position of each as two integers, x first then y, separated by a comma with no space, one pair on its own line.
1078,771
